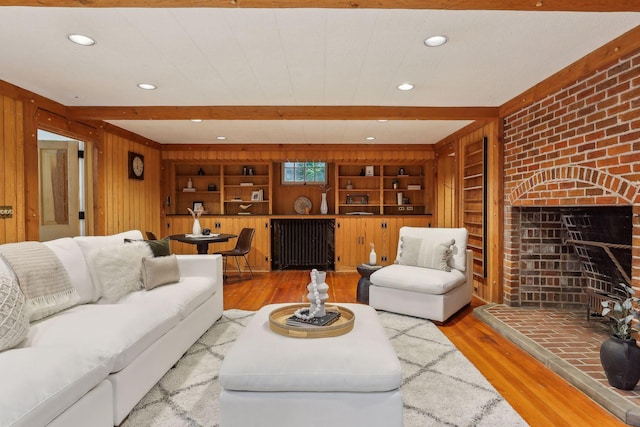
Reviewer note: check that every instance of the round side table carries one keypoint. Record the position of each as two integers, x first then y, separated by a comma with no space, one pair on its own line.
365,270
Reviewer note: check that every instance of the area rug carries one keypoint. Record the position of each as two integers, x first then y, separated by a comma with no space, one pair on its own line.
440,386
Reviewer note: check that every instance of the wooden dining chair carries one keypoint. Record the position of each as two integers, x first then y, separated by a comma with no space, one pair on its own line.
243,246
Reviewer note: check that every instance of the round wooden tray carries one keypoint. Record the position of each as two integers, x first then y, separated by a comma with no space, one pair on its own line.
279,316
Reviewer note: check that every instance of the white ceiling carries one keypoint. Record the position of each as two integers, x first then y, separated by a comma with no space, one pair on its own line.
293,57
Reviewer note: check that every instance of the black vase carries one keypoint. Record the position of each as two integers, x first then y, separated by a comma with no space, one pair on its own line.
621,362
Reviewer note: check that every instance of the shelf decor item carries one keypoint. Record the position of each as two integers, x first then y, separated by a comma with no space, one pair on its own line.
195,213
373,258
302,205
324,207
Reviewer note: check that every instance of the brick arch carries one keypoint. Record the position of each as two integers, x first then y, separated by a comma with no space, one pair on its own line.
574,185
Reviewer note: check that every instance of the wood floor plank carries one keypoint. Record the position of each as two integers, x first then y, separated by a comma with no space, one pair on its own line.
540,396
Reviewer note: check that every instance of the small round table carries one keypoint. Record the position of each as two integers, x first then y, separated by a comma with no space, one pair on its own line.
365,270
202,241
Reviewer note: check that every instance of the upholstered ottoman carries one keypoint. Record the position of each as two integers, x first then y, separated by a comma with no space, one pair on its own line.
350,380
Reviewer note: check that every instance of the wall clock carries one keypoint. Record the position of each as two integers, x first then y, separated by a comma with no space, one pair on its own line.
136,165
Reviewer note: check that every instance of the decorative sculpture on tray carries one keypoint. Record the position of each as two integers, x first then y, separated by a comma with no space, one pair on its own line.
318,294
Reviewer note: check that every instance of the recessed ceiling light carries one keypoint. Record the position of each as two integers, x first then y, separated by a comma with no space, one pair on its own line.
81,40
221,138
196,120
435,41
370,138
405,86
382,120
147,86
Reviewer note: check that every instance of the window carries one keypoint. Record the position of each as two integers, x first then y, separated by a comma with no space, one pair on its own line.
304,173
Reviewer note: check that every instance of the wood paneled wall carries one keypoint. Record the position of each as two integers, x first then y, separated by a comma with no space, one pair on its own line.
456,154
124,203
119,203
12,186
446,192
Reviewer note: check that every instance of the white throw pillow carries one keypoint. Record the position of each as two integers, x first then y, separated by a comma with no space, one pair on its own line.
117,269
409,250
14,322
426,253
160,271
436,255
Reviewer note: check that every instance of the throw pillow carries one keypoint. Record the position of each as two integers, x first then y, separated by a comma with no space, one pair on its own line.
159,271
158,247
409,250
45,284
14,322
436,255
117,269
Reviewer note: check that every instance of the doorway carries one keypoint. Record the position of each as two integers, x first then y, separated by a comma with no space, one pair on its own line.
61,183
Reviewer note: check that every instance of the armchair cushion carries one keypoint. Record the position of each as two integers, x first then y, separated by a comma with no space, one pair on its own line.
418,279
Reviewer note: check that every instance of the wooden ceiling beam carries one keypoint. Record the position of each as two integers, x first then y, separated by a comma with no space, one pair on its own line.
257,112
532,5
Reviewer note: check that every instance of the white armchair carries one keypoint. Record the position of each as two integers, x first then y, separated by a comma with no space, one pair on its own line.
432,276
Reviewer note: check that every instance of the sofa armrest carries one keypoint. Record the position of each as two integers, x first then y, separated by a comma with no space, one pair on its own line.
200,265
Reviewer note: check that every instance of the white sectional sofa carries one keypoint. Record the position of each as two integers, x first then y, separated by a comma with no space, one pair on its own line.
89,364
431,278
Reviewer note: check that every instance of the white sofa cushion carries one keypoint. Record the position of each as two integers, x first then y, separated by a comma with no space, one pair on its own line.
71,257
14,322
441,235
418,279
120,331
362,360
184,296
38,384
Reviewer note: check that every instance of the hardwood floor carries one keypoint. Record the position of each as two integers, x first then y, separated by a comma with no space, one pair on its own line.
540,396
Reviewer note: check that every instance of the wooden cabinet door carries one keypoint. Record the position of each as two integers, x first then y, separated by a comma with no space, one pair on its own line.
349,244
353,239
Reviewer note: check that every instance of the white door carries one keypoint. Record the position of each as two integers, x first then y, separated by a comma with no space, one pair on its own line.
58,189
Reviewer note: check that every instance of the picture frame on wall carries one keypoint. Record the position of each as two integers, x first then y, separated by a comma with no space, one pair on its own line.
368,171
198,206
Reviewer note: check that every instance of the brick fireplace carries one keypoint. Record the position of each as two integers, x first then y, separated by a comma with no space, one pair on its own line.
578,147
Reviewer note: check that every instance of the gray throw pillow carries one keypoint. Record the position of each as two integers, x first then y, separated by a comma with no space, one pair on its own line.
160,271
409,250
438,256
425,253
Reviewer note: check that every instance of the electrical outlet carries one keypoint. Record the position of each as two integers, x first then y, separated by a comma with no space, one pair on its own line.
6,211
400,208
409,208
